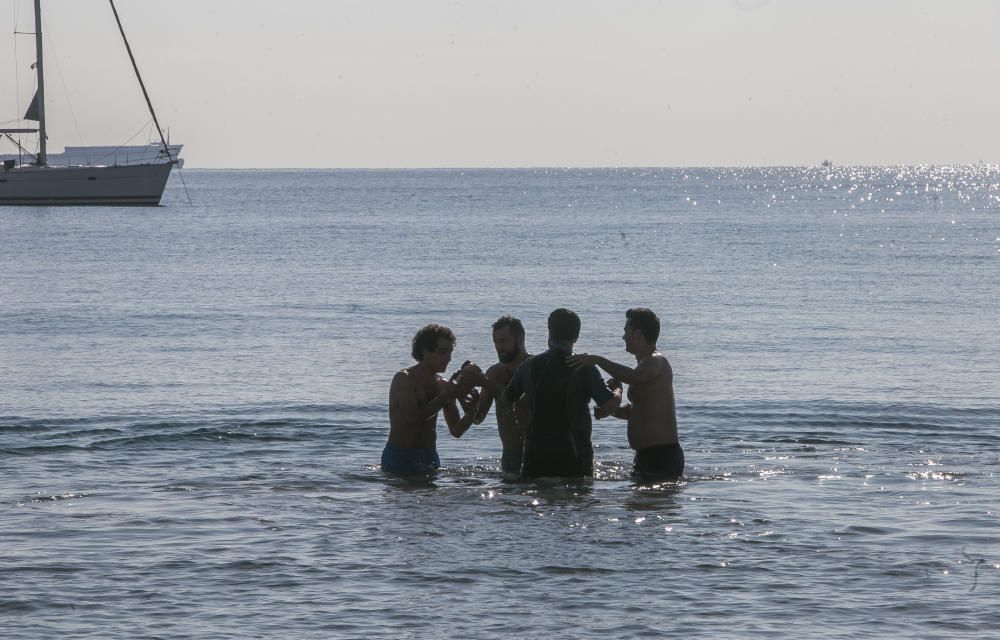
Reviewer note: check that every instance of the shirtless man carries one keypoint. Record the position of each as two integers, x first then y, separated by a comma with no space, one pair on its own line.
508,340
416,395
652,413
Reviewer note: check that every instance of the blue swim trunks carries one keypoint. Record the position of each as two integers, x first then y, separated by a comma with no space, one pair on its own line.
510,461
408,461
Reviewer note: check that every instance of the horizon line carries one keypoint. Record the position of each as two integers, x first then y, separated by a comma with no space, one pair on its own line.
982,164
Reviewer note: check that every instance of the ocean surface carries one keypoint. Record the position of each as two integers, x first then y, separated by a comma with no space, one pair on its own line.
193,405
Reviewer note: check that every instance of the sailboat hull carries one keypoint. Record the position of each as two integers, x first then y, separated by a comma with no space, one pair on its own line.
136,185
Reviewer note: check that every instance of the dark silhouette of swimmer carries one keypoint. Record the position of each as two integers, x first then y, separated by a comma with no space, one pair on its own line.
416,395
508,340
652,412
557,436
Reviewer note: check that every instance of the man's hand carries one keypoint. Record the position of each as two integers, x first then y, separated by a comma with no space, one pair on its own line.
606,410
581,360
469,402
614,384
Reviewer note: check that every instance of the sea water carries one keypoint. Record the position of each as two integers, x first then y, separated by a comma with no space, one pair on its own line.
193,404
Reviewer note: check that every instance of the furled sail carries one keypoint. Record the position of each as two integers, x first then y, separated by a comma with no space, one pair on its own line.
32,112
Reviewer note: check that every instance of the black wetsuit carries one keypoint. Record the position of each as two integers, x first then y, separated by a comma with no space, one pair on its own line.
557,438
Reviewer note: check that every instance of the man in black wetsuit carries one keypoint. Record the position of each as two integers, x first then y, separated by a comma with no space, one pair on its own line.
557,436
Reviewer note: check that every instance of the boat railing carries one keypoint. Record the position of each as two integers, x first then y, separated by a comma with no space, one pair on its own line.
102,158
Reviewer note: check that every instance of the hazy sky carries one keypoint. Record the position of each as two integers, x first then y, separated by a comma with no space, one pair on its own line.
429,83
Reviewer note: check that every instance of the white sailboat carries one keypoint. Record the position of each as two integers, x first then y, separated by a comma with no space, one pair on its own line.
31,179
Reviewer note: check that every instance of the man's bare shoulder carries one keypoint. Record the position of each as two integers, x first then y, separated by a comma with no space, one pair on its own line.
404,377
661,361
497,371
654,364
403,374
400,381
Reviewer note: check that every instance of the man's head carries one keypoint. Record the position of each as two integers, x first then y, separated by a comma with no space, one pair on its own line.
564,326
433,344
508,338
642,327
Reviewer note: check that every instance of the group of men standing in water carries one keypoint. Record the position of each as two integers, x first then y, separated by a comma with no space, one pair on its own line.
542,401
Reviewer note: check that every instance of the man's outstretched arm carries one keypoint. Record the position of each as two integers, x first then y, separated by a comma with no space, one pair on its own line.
647,370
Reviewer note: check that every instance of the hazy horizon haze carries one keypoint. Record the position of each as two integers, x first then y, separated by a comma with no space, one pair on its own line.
390,84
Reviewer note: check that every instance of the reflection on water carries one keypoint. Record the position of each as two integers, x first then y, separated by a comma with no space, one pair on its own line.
662,498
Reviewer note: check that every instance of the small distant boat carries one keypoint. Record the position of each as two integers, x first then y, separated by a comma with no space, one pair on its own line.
103,175
826,164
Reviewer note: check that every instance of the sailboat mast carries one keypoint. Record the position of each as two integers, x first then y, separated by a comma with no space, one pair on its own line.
41,160
149,103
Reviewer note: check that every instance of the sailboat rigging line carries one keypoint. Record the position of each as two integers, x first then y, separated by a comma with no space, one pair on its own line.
111,154
145,94
21,149
17,64
181,175
136,134
51,48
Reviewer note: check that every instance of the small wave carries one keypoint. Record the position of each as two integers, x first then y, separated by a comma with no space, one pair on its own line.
869,530
574,571
826,423
15,426
41,449
18,424
195,435
335,424
284,408
83,433
39,497
18,606
259,565
44,569
809,441
272,410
